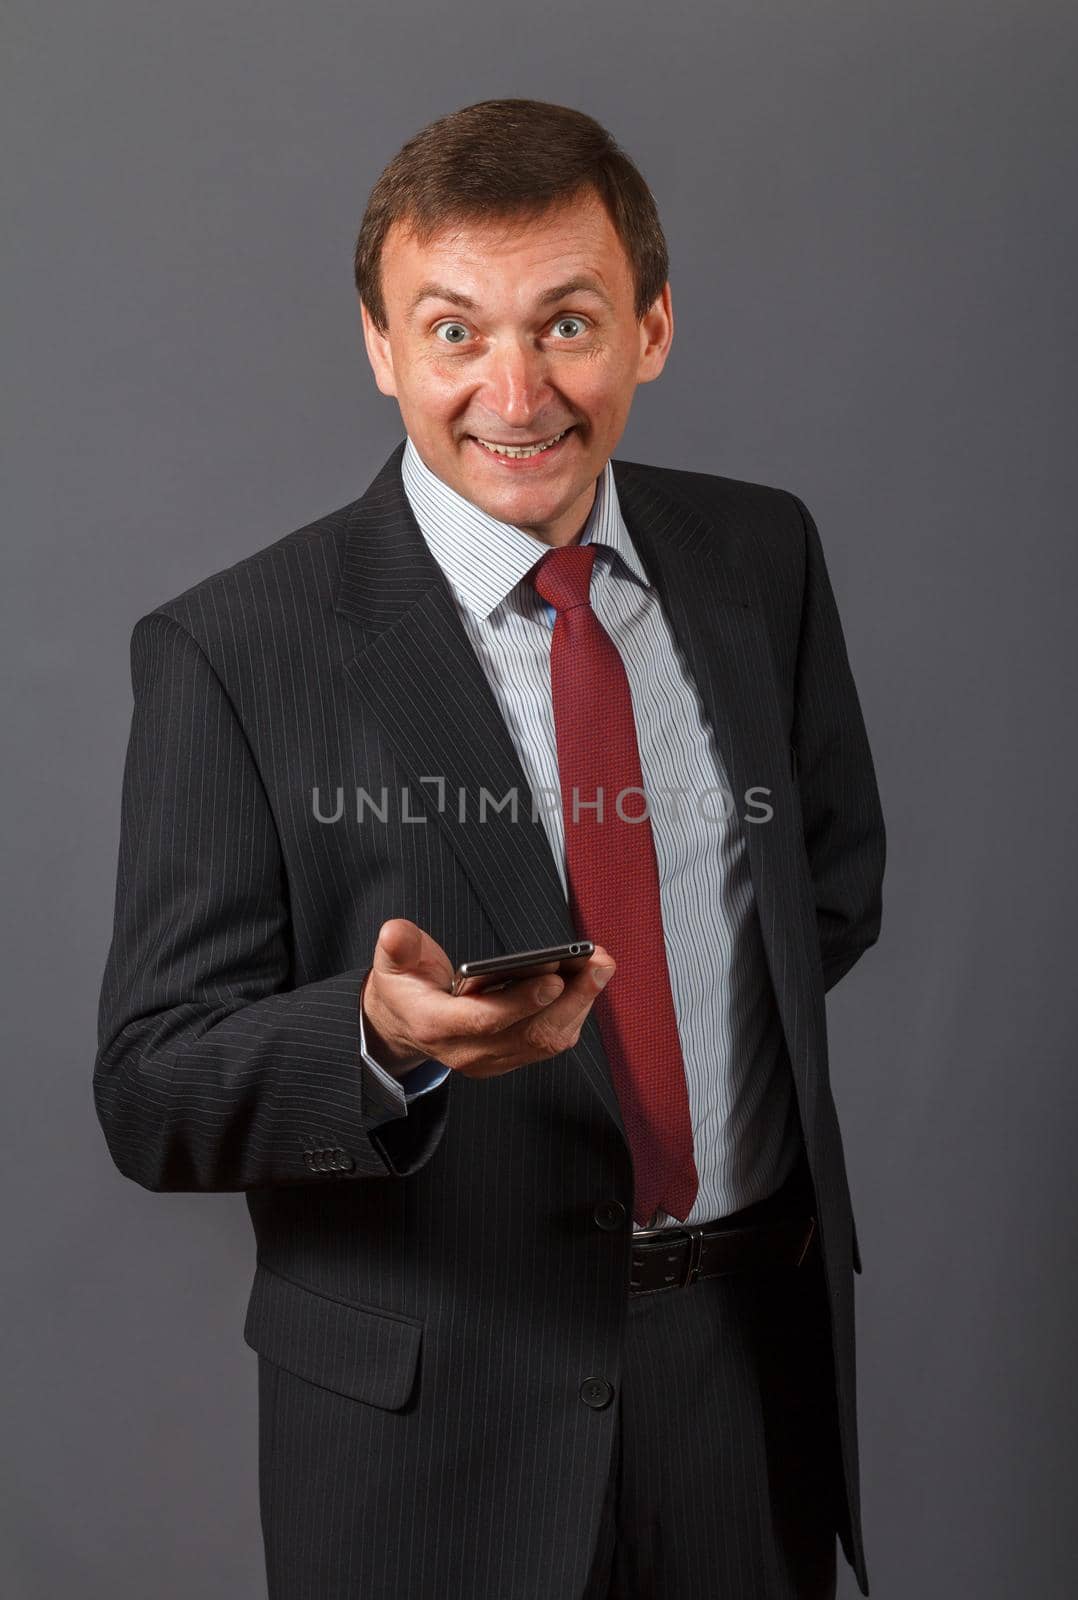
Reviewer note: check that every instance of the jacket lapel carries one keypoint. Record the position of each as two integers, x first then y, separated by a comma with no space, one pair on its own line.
418,674
702,564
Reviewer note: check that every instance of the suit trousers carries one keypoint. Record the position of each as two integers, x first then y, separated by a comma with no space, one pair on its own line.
726,1470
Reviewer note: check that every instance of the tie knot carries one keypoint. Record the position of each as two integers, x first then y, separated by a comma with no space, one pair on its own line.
563,576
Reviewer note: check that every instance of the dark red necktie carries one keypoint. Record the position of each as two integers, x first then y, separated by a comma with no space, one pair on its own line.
613,881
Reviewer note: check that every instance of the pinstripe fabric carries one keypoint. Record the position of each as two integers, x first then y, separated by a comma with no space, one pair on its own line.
720,1482
431,1294
745,1130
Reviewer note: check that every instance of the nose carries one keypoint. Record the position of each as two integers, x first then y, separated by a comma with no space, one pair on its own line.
516,387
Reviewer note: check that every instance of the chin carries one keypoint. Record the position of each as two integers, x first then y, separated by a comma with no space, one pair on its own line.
513,506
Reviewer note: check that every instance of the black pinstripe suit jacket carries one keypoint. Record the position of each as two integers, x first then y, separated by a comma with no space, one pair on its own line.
430,1296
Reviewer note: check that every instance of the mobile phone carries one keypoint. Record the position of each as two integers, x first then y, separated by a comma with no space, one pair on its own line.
494,972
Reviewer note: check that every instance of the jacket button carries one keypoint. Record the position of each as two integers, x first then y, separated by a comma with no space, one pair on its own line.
609,1215
596,1392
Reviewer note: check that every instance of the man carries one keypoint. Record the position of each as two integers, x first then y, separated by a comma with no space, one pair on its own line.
492,1362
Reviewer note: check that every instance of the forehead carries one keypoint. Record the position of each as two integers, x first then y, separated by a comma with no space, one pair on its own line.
575,242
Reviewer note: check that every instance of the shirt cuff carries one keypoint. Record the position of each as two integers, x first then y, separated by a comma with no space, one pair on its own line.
399,1092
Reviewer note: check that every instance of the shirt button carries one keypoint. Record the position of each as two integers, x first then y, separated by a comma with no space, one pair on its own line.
596,1392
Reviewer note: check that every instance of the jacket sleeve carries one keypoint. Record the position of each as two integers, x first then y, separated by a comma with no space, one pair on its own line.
840,805
213,1072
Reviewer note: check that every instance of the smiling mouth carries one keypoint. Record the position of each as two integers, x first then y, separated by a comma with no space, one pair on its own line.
523,451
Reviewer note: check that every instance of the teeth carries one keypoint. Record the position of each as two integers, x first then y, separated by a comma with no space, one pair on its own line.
527,450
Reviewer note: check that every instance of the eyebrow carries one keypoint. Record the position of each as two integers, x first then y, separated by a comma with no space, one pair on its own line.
581,284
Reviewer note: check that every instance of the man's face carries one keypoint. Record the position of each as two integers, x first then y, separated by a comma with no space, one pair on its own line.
478,347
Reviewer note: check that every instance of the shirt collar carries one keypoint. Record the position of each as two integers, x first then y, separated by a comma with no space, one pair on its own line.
484,559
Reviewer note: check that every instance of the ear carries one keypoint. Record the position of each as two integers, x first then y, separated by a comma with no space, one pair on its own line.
379,353
656,336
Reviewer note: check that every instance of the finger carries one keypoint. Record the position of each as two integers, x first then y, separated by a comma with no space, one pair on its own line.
409,956
556,1026
489,1012
566,1009
399,947
580,991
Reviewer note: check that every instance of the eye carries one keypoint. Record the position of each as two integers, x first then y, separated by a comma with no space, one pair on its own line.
570,319
459,326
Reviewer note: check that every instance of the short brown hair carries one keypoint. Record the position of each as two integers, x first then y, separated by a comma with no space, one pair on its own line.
512,160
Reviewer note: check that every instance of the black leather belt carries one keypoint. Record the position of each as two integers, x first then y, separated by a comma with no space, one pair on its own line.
672,1258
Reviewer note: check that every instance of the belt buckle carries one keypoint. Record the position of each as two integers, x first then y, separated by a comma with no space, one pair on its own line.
696,1250
694,1232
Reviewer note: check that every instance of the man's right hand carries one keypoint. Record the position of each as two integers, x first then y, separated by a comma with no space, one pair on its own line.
410,1015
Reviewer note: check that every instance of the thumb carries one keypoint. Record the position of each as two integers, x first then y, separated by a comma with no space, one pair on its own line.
399,947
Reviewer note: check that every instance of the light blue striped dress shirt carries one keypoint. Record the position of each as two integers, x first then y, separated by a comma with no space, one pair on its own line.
746,1129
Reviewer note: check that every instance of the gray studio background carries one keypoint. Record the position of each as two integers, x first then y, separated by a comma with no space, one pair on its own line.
870,211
